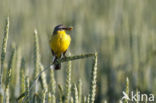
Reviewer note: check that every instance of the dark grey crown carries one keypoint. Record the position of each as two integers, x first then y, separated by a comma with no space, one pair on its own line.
59,27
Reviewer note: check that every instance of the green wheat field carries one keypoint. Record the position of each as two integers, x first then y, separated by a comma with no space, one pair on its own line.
113,49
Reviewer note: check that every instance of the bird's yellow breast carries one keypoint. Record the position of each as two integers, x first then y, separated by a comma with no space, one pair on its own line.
60,42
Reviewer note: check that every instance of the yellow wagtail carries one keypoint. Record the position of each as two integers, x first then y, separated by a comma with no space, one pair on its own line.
59,43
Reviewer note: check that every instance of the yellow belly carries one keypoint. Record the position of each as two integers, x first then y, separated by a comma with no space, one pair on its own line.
59,43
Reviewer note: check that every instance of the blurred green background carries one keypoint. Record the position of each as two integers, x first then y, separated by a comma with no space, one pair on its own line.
123,32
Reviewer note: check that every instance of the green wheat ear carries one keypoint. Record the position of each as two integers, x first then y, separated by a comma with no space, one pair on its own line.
37,64
36,61
68,82
36,54
15,78
52,84
105,101
53,99
127,89
43,77
93,82
44,96
137,96
71,100
27,86
76,98
88,99
127,86
8,76
60,93
49,97
80,90
4,47
84,99
22,76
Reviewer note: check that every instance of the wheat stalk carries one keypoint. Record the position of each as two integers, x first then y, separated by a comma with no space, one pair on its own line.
93,82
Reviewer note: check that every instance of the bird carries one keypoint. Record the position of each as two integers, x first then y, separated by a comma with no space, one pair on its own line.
59,43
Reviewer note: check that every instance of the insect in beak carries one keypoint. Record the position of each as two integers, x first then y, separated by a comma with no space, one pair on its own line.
68,28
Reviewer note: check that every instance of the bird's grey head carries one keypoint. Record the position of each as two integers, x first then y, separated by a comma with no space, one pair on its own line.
61,27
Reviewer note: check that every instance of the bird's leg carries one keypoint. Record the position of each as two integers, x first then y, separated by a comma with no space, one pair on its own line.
54,56
54,59
64,54
52,52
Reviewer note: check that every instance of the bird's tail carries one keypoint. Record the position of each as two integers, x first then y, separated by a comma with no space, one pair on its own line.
56,65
